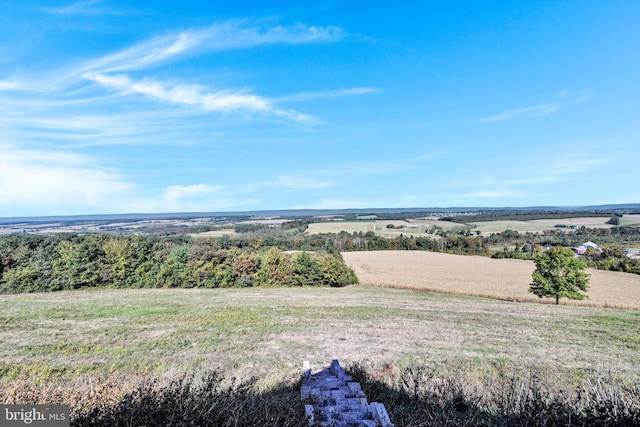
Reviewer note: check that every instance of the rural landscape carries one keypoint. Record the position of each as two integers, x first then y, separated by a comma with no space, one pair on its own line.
325,213
130,320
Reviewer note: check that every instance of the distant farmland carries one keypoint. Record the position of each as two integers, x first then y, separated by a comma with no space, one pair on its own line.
479,276
418,226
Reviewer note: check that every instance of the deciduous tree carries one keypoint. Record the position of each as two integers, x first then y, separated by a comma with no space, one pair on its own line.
559,274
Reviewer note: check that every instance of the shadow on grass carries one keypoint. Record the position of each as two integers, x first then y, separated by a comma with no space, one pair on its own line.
413,397
416,397
203,403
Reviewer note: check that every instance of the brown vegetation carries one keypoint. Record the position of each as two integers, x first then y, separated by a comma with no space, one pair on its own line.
506,279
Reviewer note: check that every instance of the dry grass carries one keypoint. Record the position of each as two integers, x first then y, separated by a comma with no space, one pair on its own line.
590,222
268,332
338,226
539,225
215,233
489,227
430,222
480,276
486,227
83,347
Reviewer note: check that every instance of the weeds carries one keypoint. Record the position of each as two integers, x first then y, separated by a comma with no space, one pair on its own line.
415,396
209,401
418,397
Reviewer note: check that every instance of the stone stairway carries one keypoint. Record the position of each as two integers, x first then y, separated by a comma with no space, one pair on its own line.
334,399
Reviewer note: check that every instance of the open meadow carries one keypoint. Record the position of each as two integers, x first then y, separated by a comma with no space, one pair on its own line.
102,343
507,279
417,226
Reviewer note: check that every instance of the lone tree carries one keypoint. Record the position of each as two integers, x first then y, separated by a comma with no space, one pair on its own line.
559,274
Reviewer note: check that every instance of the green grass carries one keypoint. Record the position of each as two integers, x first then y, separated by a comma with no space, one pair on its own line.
83,347
271,331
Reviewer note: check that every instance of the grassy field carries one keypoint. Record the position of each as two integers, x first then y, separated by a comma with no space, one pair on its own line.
380,227
83,346
215,233
269,332
480,276
539,225
338,226
486,227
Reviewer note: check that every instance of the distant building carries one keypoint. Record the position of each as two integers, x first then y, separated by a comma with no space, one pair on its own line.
582,249
633,253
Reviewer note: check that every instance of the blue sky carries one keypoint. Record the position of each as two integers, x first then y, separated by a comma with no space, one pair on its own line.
128,106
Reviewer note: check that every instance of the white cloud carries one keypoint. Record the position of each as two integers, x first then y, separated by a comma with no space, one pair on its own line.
337,93
572,165
337,204
201,198
491,194
11,85
563,98
86,8
222,101
535,111
219,36
55,181
175,192
298,182
41,182
82,7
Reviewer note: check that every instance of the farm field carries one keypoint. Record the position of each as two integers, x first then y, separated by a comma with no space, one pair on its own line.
486,227
215,233
379,227
591,222
79,335
539,225
480,276
489,227
338,226
90,349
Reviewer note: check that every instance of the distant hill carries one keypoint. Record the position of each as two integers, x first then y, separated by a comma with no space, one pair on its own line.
298,213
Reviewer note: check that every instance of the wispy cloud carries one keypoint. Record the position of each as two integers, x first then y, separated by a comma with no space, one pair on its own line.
299,182
224,101
175,195
337,93
109,70
34,181
563,98
568,165
33,102
219,36
491,194
337,204
55,180
84,8
200,198
520,113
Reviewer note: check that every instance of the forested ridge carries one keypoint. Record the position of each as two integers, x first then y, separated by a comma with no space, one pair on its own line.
52,263
259,257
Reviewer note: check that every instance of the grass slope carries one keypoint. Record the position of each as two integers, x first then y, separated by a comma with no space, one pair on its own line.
480,276
269,332
91,348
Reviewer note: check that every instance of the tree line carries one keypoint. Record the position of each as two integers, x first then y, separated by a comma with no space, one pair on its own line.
62,262
258,258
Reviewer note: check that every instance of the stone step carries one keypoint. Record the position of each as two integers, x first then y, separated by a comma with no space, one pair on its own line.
333,399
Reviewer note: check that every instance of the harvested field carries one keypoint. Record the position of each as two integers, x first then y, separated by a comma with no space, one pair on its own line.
338,226
215,233
434,221
480,276
489,227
